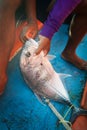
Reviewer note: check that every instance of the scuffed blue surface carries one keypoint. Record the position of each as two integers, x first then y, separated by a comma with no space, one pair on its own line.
19,107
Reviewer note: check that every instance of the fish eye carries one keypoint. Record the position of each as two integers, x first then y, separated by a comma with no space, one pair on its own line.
28,54
41,64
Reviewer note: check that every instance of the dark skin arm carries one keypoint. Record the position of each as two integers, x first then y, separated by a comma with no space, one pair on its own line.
44,45
31,10
31,28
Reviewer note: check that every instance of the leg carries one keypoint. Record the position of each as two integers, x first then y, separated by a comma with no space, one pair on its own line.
7,36
78,30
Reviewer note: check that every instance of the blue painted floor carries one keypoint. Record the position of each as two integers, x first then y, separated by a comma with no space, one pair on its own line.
19,107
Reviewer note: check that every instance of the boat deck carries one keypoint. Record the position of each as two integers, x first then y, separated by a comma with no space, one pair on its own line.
19,107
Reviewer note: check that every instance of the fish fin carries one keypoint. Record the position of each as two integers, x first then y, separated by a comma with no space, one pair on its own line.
62,75
51,57
77,112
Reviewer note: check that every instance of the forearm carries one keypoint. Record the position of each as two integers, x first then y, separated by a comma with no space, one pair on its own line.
60,11
31,10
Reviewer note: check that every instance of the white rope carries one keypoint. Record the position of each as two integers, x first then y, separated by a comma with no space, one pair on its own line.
65,123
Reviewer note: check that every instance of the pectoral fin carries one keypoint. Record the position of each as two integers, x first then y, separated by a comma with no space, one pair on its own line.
64,75
51,57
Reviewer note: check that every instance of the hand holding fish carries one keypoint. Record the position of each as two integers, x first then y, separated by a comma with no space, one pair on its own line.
44,44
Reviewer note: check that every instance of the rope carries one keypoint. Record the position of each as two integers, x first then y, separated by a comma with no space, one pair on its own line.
65,123
66,115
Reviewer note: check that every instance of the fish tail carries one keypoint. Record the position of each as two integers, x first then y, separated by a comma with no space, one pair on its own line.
77,112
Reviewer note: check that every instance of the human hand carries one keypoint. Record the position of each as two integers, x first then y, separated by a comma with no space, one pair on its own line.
29,31
44,44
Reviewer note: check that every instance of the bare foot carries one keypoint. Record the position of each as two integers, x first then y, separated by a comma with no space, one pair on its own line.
3,80
75,60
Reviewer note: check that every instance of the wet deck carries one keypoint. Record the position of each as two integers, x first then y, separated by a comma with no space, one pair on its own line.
19,107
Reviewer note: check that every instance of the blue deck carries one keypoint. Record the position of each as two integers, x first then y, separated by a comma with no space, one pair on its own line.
19,107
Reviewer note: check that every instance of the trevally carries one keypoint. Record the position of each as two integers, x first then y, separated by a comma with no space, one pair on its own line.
43,80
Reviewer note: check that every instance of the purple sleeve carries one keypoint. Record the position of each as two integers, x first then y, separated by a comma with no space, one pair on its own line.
60,11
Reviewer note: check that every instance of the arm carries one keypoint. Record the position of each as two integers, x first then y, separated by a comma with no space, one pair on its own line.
31,10
31,28
58,14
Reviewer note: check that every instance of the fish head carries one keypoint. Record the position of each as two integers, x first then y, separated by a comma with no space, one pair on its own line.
28,57
36,66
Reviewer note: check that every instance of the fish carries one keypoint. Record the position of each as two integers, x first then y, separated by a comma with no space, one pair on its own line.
43,80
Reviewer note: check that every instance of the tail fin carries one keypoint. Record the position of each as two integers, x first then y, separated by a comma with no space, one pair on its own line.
77,112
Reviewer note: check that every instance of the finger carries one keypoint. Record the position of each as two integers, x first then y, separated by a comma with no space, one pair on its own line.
38,50
22,39
34,34
25,38
22,36
29,34
45,52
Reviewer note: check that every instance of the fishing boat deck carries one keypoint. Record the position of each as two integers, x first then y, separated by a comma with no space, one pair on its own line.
19,107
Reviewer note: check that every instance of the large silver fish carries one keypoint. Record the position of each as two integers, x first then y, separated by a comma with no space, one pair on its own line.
42,78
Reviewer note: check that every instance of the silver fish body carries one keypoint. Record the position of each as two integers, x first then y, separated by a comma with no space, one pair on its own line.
40,75
42,78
